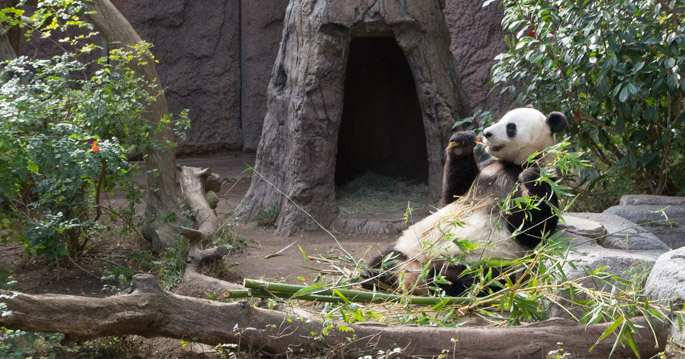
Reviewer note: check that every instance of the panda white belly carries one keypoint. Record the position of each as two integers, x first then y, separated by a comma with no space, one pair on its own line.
433,236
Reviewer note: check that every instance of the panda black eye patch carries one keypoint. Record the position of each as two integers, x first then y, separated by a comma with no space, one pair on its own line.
511,129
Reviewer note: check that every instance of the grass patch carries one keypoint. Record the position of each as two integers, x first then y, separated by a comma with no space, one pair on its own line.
375,194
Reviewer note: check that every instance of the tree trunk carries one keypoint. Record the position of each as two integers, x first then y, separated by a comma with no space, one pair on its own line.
9,41
148,311
6,49
161,197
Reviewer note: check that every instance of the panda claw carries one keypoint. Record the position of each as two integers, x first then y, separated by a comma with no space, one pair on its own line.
462,139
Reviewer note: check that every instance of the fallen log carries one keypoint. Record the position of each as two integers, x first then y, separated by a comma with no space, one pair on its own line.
194,184
149,311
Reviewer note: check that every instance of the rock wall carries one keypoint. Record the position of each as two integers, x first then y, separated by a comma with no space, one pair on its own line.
477,37
261,28
216,58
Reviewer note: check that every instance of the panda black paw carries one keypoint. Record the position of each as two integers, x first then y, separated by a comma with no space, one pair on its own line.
462,143
529,178
529,175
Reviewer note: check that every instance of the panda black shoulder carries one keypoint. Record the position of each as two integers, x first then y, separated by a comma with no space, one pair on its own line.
497,177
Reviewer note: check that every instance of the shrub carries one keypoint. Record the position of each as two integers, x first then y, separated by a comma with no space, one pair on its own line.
615,68
66,125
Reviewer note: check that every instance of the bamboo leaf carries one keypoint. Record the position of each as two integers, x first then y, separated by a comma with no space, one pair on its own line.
610,329
308,290
628,339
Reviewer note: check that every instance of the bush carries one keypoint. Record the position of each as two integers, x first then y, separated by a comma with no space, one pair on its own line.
615,68
66,125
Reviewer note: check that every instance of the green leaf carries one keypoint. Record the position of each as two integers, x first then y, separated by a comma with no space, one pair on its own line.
648,158
669,63
623,96
610,329
628,339
308,290
633,89
620,125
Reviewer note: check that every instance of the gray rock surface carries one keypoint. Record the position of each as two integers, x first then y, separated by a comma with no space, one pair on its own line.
623,233
476,38
584,227
667,281
261,28
624,264
663,216
216,59
633,266
642,199
197,46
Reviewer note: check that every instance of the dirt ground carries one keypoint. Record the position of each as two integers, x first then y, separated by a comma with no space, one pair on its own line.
298,260
263,254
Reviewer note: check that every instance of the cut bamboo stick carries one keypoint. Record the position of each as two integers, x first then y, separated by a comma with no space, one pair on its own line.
282,290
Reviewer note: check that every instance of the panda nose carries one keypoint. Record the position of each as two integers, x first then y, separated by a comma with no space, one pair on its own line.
487,134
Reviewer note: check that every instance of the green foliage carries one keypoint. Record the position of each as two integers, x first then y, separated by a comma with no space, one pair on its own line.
19,344
267,216
171,265
66,126
616,68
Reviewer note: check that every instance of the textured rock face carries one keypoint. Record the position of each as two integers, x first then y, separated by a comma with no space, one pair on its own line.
261,28
664,216
624,234
476,38
666,282
197,45
298,147
667,278
215,58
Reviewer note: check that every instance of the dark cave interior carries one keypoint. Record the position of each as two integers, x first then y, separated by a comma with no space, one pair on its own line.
382,124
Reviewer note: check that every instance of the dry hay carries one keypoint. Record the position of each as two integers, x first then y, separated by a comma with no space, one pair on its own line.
376,194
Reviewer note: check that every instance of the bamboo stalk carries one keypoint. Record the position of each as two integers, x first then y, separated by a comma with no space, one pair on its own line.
310,297
237,293
282,290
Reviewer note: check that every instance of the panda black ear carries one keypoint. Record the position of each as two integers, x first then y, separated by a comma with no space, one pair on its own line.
556,121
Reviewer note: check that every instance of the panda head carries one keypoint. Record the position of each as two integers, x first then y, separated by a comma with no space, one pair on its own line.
522,132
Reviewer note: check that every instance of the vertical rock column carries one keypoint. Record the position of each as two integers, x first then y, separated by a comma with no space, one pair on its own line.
297,151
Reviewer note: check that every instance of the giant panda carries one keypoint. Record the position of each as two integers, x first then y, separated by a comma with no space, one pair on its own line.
470,212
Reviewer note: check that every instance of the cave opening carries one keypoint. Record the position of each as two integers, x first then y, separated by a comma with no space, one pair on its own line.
381,131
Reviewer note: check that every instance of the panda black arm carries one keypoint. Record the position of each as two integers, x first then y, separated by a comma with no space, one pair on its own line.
461,167
536,222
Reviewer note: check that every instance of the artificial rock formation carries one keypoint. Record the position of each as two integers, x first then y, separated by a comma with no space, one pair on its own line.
320,124
477,37
213,56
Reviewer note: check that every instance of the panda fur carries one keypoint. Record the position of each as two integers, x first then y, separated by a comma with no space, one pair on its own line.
470,194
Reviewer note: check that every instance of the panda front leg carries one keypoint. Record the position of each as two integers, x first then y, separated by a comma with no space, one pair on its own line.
460,168
392,270
534,223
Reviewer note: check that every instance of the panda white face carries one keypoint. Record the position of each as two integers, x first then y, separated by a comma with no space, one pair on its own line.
522,132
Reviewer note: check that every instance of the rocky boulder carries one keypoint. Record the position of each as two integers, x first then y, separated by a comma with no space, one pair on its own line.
663,216
610,243
667,281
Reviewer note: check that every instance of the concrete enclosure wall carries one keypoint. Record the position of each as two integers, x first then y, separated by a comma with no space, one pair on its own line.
216,58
